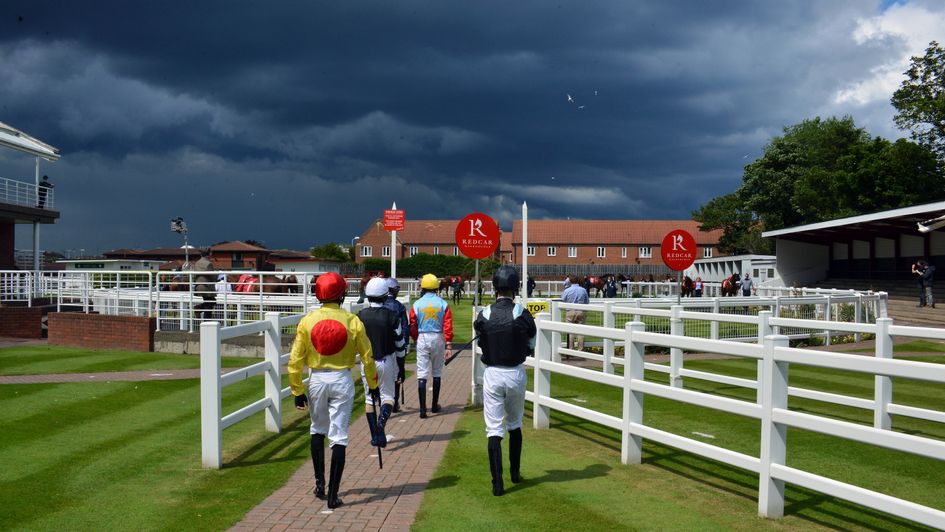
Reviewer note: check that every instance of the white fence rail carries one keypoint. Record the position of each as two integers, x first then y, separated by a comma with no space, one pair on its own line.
771,407
212,420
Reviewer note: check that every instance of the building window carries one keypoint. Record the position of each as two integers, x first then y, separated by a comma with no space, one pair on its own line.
706,253
601,252
510,257
552,251
413,250
623,253
367,251
646,252
572,251
770,273
531,251
385,251
455,251
436,250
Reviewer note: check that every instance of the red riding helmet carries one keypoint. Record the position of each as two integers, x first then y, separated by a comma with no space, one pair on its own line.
330,287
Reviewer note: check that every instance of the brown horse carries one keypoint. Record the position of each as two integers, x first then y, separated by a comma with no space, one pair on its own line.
687,288
730,286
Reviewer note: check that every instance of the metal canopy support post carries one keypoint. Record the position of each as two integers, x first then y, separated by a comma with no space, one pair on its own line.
36,283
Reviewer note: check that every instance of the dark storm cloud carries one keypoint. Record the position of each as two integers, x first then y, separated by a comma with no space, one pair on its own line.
297,122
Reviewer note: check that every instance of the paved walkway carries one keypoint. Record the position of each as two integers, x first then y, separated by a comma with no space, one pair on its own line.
374,499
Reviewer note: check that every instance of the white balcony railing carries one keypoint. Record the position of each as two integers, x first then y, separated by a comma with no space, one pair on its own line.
26,194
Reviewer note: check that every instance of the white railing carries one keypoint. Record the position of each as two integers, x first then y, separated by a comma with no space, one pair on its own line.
771,408
16,286
23,193
212,420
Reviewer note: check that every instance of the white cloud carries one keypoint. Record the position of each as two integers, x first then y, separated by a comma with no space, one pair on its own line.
906,28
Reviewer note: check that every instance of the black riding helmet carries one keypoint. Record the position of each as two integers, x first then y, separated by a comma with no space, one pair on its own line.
505,278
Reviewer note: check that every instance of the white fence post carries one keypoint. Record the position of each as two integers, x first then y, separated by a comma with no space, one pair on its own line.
210,403
556,336
883,388
675,355
858,315
608,343
273,375
828,312
773,435
542,387
477,366
631,448
777,313
714,325
764,330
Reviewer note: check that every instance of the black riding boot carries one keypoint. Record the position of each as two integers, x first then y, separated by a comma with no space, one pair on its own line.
396,397
318,459
422,393
495,464
334,481
377,433
436,395
515,455
386,410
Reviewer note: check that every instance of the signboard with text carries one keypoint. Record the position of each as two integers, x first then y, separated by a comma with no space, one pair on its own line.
536,307
678,250
477,236
394,219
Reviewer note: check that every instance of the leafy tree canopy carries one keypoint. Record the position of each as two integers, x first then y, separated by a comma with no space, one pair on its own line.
821,170
331,251
920,100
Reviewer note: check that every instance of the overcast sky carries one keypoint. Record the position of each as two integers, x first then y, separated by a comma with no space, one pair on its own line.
297,122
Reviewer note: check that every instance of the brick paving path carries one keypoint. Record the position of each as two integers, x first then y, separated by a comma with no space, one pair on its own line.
374,499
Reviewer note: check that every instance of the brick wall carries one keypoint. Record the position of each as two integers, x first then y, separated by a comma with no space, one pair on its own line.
96,331
21,322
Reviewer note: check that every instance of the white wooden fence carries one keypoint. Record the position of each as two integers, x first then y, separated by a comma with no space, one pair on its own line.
774,357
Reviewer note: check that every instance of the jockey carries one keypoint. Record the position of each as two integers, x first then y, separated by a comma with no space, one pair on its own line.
431,326
393,289
387,343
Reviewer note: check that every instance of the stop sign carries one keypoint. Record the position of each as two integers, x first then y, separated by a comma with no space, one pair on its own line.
477,236
678,250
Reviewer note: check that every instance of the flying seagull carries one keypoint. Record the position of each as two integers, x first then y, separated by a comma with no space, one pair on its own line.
570,99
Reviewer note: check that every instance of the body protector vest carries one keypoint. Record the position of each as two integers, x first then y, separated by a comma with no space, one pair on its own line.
506,333
383,330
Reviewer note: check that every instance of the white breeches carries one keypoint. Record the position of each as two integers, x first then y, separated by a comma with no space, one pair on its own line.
431,349
503,399
386,377
330,399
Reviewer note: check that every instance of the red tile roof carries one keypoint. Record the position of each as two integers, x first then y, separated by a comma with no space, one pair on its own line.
278,254
602,232
428,232
236,245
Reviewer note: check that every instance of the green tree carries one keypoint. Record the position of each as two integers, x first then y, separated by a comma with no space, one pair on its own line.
331,251
821,170
920,100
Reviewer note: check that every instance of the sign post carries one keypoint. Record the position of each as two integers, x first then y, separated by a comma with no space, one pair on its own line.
393,221
678,252
477,237
524,293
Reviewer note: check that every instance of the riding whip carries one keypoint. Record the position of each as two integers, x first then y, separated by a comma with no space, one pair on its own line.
456,354
380,456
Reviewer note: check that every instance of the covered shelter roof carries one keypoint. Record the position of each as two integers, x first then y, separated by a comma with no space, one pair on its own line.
885,224
12,138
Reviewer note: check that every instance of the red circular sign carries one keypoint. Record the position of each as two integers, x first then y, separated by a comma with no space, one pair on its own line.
678,250
477,236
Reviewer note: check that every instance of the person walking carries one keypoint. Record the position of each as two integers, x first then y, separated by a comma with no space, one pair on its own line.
575,293
506,336
327,341
926,275
382,326
697,286
393,290
531,284
431,326
610,287
746,285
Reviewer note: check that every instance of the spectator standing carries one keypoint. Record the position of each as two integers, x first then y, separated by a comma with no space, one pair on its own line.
44,187
577,294
746,285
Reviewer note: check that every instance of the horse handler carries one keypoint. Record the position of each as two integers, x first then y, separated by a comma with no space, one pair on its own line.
327,341
506,335
431,326
387,341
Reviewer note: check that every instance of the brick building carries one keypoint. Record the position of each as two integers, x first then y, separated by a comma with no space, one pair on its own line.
436,237
580,242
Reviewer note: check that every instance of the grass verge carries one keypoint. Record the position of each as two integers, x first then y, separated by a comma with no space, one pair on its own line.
46,359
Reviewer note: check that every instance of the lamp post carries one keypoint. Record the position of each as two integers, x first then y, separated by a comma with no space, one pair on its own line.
353,251
179,226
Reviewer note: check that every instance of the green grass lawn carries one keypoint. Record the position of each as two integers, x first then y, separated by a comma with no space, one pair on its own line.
573,473
44,359
126,456
917,346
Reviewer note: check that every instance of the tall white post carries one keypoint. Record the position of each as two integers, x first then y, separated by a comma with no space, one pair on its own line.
541,415
608,343
273,375
631,448
675,354
524,253
393,248
773,435
478,368
210,404
764,330
883,389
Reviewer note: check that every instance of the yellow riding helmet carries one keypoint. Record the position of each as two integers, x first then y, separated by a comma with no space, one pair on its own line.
430,282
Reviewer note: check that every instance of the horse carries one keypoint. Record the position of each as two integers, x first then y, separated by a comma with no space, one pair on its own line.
730,286
596,283
687,288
